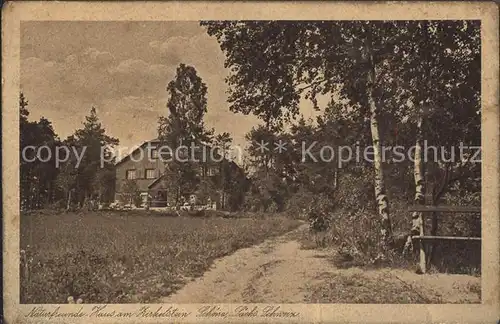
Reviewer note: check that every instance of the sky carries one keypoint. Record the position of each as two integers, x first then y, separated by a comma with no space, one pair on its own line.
122,69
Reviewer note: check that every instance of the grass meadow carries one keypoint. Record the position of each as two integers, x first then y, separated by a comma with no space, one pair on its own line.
127,257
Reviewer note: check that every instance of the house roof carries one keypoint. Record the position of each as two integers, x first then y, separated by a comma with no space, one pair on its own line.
155,181
157,140
140,147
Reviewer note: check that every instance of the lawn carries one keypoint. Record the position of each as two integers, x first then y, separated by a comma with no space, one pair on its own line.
127,257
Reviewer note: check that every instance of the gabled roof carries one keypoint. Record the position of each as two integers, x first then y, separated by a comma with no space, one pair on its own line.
157,140
140,147
155,181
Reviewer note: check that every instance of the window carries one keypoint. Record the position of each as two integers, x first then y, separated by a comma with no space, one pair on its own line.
153,153
182,154
150,173
130,174
211,171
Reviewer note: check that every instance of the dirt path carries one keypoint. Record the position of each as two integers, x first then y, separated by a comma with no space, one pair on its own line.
279,271
276,271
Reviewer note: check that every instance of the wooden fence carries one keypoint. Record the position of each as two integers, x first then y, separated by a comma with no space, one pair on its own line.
438,209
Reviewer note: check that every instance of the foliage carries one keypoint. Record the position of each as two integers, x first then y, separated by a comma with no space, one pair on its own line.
38,169
93,174
207,190
44,180
187,104
131,193
363,68
298,203
320,214
184,126
309,58
225,180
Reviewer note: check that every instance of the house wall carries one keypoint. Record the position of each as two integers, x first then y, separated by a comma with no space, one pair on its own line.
134,162
140,166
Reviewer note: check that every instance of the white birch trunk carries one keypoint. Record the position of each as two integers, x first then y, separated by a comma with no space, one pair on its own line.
379,181
380,193
419,176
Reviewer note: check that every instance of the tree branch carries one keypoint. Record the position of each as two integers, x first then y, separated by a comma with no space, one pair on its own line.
313,84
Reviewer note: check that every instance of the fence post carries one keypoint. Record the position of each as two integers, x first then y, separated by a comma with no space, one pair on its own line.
423,266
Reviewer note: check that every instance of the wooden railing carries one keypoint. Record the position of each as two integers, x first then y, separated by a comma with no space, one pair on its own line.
438,209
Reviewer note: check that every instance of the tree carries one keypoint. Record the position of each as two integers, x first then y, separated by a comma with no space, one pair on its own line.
38,171
93,172
222,144
420,75
187,104
131,193
436,94
272,162
23,109
24,140
274,63
182,180
66,180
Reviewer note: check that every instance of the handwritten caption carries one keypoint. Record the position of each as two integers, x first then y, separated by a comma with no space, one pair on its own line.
209,311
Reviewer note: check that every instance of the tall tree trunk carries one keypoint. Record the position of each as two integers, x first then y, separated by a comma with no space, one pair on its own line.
419,176
49,193
335,179
380,193
68,204
36,194
26,188
222,182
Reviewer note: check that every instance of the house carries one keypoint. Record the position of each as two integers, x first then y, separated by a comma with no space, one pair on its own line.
146,169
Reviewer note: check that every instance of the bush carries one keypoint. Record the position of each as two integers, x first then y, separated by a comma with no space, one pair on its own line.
320,214
351,224
298,204
131,193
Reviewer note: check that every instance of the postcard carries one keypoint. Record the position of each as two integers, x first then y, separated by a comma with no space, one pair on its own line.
250,162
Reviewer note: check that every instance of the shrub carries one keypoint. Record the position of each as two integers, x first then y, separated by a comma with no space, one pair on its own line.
298,204
131,193
320,213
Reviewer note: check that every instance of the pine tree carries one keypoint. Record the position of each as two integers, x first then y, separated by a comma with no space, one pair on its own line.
95,172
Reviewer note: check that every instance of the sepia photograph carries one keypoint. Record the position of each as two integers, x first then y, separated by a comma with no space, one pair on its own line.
258,163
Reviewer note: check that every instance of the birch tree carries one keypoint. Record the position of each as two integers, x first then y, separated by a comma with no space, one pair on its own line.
379,183
438,73
273,64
